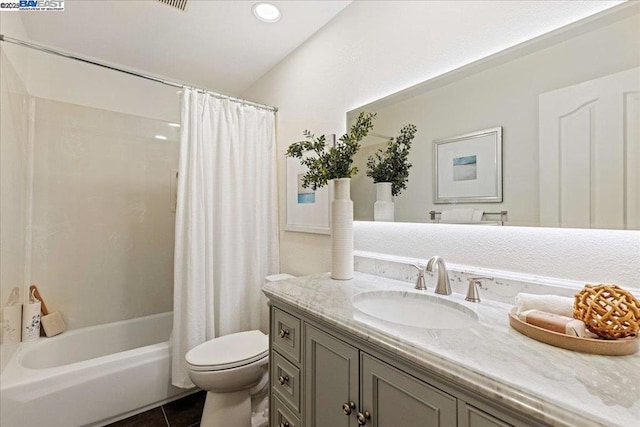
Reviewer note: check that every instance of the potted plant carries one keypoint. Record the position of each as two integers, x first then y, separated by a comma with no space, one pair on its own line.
389,169
335,164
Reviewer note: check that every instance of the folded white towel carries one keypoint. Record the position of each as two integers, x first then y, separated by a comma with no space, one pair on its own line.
477,215
457,215
549,303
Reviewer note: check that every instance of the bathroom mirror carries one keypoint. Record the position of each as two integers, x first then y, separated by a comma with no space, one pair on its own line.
568,104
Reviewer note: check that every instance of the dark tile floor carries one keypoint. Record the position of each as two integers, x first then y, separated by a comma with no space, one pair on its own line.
185,412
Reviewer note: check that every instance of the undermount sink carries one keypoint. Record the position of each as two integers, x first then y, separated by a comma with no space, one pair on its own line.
414,309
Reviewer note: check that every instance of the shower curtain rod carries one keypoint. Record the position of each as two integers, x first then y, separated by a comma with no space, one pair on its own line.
41,48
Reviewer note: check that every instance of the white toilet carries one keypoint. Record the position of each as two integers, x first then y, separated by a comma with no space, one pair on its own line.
233,369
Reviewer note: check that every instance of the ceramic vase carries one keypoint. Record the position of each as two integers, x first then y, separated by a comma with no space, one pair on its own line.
384,208
342,230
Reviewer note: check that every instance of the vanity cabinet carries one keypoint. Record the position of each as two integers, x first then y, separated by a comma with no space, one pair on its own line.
321,377
343,384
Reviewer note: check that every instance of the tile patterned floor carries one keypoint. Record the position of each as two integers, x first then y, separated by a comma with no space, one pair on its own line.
185,412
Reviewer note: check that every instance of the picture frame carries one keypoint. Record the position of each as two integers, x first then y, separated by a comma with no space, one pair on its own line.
307,210
468,168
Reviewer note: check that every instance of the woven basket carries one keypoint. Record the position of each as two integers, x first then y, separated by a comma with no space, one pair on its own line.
608,311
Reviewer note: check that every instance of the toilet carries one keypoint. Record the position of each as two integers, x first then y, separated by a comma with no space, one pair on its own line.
233,370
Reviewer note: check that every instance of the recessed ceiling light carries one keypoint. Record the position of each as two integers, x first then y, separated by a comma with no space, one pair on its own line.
266,12
174,125
161,137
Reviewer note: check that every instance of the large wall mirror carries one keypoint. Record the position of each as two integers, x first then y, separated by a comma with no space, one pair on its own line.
568,108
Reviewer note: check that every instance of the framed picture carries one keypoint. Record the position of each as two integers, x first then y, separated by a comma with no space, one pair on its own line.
468,168
307,210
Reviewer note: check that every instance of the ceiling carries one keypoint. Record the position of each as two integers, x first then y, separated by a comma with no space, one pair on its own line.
218,45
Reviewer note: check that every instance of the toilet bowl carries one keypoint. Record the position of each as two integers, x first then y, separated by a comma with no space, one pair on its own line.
231,369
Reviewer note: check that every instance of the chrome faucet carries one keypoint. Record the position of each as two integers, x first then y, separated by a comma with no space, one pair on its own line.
442,285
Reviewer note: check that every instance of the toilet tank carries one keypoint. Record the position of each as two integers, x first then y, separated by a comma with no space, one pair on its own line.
264,307
276,277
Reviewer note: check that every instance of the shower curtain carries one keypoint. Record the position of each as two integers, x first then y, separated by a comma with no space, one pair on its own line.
226,222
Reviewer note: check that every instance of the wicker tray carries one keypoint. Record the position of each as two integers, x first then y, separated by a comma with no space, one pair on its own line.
619,347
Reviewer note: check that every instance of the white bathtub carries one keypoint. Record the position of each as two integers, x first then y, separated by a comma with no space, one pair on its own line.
89,376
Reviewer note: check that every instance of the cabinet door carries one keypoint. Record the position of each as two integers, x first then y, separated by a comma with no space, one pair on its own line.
393,398
470,416
331,380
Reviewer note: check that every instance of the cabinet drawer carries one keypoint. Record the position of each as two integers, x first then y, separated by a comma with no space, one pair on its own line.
285,331
285,381
282,416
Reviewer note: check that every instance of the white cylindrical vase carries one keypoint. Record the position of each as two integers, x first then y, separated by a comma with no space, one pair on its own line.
384,208
342,230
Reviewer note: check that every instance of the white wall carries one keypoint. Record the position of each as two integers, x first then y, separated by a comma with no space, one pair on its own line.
373,49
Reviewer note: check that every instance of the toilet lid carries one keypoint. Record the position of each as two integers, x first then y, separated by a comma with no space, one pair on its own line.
229,351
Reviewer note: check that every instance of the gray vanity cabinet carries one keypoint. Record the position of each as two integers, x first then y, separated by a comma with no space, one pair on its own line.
386,395
323,378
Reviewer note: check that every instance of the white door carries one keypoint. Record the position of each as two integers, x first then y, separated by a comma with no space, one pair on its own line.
590,153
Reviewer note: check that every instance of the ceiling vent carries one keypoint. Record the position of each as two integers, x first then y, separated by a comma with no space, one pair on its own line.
178,4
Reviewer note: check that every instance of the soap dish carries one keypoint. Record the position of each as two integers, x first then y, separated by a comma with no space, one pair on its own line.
619,347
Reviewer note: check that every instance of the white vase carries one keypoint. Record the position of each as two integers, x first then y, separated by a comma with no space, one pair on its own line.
342,230
384,208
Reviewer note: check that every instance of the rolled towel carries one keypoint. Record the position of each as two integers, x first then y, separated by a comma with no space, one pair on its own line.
550,303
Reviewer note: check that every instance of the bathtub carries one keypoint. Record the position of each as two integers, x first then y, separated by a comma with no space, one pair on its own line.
90,376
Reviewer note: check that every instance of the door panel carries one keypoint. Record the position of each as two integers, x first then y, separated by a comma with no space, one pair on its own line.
331,379
589,153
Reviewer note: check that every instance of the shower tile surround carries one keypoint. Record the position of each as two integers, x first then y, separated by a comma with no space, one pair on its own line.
102,227
489,359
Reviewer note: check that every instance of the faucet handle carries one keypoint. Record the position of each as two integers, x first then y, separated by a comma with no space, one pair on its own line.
472,293
420,282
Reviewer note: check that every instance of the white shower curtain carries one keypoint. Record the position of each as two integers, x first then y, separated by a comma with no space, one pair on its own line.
226,222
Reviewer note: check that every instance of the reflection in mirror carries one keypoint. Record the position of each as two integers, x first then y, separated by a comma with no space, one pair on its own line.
569,107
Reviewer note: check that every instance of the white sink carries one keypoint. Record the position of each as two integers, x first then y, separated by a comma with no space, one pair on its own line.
414,309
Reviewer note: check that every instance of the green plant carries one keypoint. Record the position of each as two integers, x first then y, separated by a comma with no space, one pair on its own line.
391,165
336,162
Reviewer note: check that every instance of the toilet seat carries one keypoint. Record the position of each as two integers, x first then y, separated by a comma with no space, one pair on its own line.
229,351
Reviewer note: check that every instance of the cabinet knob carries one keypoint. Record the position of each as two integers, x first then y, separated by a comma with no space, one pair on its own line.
283,333
363,417
283,379
284,424
347,407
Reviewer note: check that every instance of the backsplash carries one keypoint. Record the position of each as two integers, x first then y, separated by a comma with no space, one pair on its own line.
503,288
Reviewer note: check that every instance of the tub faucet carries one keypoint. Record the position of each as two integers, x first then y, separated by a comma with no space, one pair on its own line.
442,285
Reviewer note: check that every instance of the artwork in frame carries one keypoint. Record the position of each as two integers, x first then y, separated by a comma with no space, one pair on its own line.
468,168
307,209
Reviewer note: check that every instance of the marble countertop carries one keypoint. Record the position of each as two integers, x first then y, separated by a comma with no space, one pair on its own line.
557,386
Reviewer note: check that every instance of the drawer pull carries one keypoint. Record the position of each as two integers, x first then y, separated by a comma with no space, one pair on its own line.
363,417
283,380
284,424
283,333
347,407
